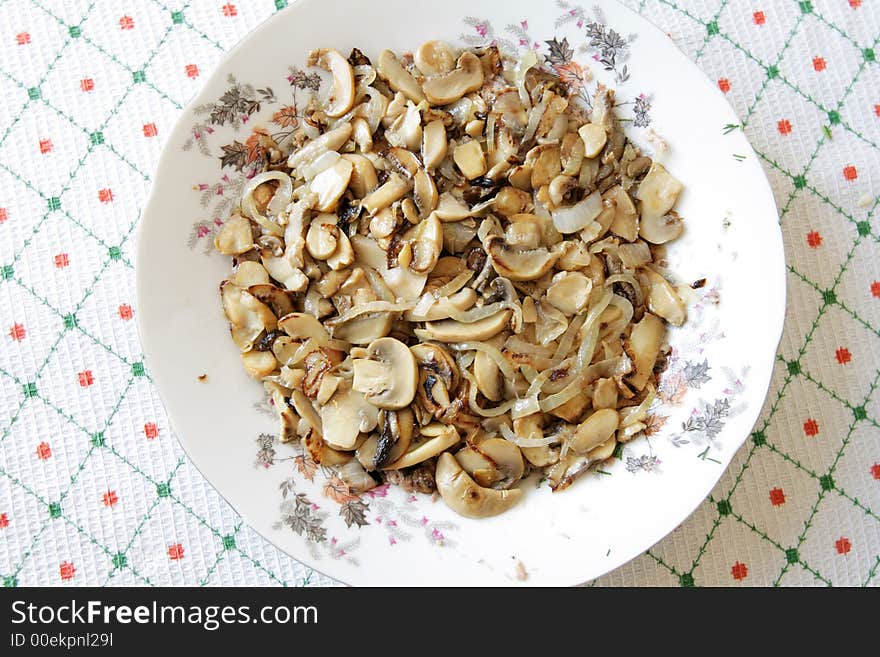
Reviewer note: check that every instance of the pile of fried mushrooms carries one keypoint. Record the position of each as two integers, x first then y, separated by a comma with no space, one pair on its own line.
447,277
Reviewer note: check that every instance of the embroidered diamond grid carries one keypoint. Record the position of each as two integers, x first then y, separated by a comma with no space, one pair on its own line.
94,488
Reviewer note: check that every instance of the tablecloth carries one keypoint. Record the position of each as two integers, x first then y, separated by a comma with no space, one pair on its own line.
94,487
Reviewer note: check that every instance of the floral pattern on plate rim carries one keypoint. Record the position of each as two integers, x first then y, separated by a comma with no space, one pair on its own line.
317,523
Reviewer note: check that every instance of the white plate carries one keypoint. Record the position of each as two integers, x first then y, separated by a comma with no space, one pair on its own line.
712,392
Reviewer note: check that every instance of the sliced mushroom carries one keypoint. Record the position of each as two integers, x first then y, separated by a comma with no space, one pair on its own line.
605,393
657,194
438,377
342,97
518,264
530,427
403,282
448,87
398,78
395,435
363,175
488,375
440,437
427,242
511,201
235,237
345,416
321,238
594,138
259,364
392,190
247,273
662,298
464,496
434,58
449,330
248,316
425,193
595,430
434,144
388,375
302,326
331,140
626,218
569,292
544,163
330,185
643,347
469,158
635,255
362,134
344,254
280,301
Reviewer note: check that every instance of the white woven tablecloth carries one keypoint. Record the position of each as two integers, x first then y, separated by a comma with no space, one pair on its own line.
94,488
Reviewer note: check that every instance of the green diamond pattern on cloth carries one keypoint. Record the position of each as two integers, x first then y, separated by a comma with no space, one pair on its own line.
799,504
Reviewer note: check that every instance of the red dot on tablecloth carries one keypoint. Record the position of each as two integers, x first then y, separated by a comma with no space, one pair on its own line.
44,451
125,311
814,239
739,571
724,85
87,84
875,289
843,355
784,126
110,498
126,22
67,570
4,521
875,471
45,146
843,545
105,195
62,260
151,430
22,38
192,71
150,130
85,378
229,9
855,4
777,497
877,110
850,172
819,63
811,427
175,552
17,332
4,215
759,18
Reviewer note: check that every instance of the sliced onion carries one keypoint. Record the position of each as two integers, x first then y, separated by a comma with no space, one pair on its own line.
576,217
535,116
380,287
490,133
528,60
374,109
608,244
517,345
453,286
613,330
279,202
490,350
461,110
524,407
567,340
633,414
508,434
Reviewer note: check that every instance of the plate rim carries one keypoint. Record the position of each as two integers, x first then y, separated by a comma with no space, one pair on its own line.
219,73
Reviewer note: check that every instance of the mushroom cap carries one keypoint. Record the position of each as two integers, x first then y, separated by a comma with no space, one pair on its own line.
434,58
465,497
388,376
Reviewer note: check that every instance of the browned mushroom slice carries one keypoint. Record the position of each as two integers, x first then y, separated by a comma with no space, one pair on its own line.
398,78
343,95
643,346
388,375
519,264
662,299
467,498
449,330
